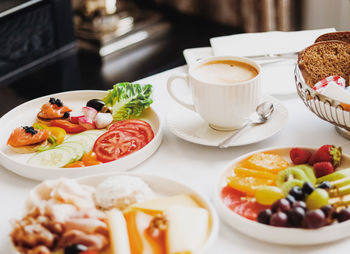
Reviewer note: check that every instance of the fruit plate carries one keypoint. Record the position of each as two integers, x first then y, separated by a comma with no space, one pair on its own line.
278,235
25,114
164,187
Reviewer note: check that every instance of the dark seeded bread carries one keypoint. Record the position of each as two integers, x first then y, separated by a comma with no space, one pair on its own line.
338,36
324,59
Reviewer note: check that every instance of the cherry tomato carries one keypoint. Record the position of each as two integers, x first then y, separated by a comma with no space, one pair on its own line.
89,252
115,144
68,126
239,203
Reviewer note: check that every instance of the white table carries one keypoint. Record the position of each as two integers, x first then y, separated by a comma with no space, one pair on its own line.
199,166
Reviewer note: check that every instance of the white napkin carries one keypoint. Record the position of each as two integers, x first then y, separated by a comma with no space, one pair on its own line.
255,44
337,93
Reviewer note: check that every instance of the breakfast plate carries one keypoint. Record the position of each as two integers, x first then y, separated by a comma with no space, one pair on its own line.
189,126
273,234
163,188
25,114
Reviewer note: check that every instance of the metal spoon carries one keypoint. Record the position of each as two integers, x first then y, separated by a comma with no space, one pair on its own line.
262,114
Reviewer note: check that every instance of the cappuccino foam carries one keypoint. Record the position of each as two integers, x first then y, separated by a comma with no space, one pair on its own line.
225,72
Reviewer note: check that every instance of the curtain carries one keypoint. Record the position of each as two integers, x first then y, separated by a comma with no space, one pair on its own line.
251,15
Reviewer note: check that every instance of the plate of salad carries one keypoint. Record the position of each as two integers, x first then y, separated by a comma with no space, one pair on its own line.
81,132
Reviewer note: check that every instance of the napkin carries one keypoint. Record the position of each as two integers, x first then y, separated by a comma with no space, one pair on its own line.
337,93
256,44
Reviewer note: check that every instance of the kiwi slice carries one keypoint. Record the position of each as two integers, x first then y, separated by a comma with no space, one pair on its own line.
290,184
309,172
289,174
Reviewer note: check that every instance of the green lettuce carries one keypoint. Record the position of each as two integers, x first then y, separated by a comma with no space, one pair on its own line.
128,100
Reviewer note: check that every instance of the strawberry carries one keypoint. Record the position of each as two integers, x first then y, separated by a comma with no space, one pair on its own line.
323,168
327,153
299,155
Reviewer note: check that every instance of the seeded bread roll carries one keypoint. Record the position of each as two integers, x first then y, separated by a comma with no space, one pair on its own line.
324,59
338,36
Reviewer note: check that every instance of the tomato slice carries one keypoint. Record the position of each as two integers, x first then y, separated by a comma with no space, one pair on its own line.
68,126
116,144
239,203
135,124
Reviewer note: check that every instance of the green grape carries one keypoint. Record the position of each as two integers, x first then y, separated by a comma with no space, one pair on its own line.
317,199
267,195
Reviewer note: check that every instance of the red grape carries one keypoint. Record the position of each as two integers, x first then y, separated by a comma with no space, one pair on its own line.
296,216
264,216
281,205
344,215
315,219
279,219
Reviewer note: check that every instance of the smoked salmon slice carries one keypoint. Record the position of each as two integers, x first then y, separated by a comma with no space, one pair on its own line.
53,109
23,136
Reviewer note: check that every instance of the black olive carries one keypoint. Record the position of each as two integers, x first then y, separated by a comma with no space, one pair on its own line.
106,109
96,104
58,102
66,115
30,129
75,249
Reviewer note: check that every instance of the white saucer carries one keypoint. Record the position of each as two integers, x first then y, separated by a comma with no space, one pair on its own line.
189,126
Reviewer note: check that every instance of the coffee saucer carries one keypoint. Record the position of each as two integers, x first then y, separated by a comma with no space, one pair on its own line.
189,126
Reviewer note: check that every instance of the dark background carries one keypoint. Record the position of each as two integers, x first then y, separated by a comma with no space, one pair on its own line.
78,69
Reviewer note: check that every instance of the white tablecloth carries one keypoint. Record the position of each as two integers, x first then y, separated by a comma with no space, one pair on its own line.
199,166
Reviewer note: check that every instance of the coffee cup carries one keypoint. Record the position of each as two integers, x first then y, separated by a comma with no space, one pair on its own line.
225,90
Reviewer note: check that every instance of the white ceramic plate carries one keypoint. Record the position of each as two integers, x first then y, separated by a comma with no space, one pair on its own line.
25,114
279,235
189,126
166,187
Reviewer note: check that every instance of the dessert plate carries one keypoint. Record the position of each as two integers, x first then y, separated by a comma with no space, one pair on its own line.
164,187
189,126
25,114
279,235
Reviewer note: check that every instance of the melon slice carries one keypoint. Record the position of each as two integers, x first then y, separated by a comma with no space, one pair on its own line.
118,232
158,205
188,229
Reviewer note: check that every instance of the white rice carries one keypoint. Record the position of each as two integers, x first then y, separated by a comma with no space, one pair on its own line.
122,191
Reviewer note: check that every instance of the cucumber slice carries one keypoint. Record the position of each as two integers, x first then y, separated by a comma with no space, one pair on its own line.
75,148
55,158
86,141
94,132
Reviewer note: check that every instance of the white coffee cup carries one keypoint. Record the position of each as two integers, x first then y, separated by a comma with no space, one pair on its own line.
222,96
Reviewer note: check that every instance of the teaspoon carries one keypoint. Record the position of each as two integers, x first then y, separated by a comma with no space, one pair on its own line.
262,114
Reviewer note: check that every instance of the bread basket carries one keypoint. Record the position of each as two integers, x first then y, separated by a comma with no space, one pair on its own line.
324,107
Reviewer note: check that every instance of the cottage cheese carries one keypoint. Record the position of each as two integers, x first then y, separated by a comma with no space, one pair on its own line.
122,191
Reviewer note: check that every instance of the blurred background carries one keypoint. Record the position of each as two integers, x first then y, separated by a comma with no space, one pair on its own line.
50,46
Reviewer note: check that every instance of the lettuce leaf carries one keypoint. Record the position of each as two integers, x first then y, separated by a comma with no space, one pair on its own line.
128,100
